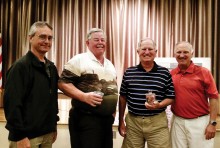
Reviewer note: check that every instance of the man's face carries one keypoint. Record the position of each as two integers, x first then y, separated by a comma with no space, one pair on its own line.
147,51
183,55
97,43
41,42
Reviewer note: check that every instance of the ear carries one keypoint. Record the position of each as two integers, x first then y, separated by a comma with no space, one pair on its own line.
87,42
30,37
138,51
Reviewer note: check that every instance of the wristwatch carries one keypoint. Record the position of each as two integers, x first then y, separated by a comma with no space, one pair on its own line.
213,122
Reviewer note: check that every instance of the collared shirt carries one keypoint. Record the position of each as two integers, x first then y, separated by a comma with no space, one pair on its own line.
86,73
192,89
86,63
137,82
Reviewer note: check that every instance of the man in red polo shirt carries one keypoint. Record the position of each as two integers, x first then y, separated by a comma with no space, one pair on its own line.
195,106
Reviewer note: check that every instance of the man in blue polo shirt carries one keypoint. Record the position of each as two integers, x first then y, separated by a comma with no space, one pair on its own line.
146,120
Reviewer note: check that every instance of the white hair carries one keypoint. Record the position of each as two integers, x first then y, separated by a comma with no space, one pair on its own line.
185,44
91,31
145,39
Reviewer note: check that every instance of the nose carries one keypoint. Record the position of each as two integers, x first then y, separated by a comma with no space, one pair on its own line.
147,50
46,40
100,41
181,54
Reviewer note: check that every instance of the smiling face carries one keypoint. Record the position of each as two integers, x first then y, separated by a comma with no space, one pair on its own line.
147,51
183,54
97,43
41,41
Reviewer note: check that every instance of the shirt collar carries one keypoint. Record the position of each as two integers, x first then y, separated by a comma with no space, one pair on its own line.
36,61
92,57
190,69
154,69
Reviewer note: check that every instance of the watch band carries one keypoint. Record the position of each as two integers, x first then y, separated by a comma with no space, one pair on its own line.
213,122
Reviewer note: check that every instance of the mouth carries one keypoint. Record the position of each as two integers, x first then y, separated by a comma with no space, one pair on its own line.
99,46
146,56
181,59
46,47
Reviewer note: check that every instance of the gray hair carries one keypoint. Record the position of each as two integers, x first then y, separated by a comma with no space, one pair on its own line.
36,25
185,44
145,39
91,31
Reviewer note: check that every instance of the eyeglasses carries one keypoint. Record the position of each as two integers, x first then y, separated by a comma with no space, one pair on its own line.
44,37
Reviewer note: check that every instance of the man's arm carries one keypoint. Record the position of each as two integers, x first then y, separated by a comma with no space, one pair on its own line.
14,95
158,105
210,129
122,106
165,102
213,109
70,90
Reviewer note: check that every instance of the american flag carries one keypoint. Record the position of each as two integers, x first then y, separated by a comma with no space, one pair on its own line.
0,60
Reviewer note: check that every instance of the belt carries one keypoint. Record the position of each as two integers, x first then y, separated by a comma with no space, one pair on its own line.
194,117
142,116
80,111
84,111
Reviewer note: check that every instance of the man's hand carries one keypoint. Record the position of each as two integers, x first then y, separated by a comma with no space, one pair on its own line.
24,143
152,106
122,129
54,136
93,99
210,132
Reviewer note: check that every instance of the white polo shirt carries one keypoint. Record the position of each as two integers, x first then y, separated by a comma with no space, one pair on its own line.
86,73
86,63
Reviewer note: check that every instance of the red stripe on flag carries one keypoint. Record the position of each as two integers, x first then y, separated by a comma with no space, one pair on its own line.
0,68
0,61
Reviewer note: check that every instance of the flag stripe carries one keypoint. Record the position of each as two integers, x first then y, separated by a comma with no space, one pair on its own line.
0,60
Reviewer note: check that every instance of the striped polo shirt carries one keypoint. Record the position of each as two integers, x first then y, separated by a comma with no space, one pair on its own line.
137,82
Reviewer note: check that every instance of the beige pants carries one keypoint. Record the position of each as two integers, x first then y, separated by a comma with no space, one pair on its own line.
44,141
153,130
190,133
